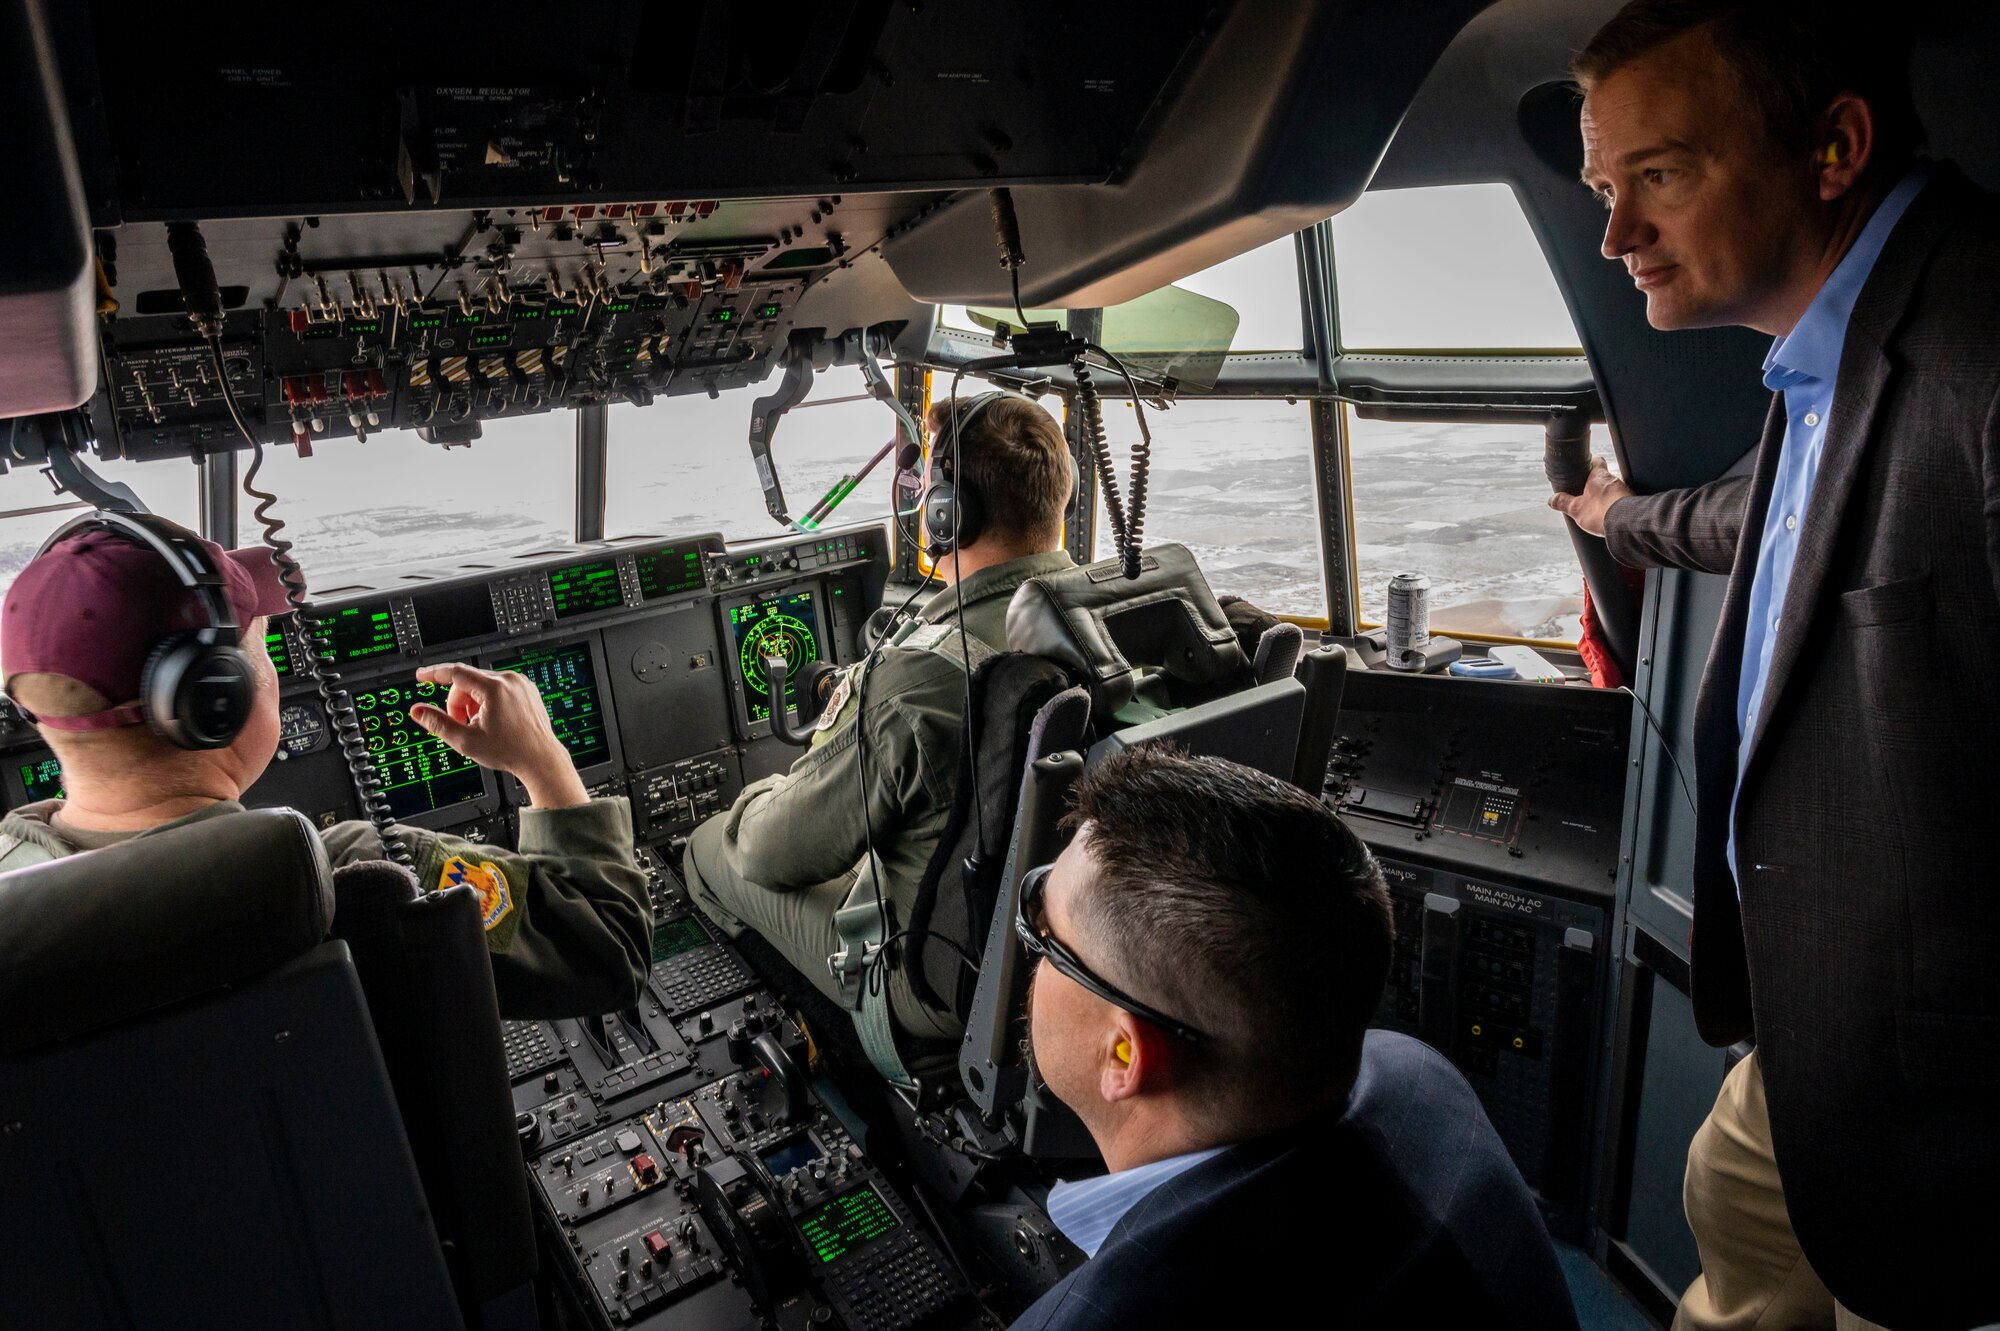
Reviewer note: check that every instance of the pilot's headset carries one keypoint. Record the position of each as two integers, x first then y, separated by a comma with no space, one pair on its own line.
197,687
954,512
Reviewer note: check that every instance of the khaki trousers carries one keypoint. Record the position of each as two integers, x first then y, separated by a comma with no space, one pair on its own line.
1753,1275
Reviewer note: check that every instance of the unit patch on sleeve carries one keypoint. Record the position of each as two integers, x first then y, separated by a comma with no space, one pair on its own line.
496,897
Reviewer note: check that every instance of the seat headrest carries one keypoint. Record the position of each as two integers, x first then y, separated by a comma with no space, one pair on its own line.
1102,626
105,935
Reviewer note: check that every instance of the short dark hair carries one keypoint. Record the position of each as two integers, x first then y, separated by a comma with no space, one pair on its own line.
1015,455
1791,59
1240,904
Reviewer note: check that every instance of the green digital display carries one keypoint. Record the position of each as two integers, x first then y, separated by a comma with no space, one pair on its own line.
847,1223
493,337
426,321
618,306
43,780
767,311
722,316
559,311
678,936
358,632
461,319
782,626
521,315
651,303
581,589
669,572
279,651
419,771
569,690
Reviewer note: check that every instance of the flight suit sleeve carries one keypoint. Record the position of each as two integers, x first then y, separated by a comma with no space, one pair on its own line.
813,823
1696,528
568,922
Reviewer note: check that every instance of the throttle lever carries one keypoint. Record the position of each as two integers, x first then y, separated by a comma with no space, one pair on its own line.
787,1073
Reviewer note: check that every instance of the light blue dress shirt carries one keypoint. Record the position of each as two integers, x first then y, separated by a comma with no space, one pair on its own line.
1804,365
1088,1210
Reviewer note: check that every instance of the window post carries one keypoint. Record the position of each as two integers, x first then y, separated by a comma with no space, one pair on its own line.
593,447
1329,446
218,498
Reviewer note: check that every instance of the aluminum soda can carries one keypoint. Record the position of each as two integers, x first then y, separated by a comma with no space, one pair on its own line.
1409,620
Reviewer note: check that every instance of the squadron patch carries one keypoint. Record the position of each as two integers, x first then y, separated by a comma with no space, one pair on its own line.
496,896
829,715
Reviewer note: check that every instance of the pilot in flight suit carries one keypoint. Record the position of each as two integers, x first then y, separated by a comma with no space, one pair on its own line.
883,771
568,922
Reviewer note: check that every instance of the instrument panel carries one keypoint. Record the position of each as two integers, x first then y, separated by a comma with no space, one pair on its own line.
645,652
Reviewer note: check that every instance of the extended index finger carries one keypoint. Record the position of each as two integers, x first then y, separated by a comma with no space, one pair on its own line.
471,688
458,675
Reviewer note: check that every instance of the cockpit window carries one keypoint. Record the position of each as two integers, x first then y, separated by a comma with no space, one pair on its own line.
1232,481
1467,506
683,464
360,509
1445,266
31,509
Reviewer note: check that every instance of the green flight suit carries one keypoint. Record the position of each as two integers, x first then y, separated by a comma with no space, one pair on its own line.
568,922
783,858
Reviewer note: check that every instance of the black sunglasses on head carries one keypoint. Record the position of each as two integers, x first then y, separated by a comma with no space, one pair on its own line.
1031,924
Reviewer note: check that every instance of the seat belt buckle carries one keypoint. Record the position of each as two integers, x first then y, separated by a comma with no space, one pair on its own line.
858,925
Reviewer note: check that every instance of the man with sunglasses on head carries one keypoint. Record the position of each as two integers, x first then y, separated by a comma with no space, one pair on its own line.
1209,951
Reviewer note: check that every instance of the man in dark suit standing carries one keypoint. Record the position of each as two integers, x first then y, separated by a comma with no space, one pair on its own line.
1760,161
1211,947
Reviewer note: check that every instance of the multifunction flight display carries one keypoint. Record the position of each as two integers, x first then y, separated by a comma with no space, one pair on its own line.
419,772
780,626
583,589
568,682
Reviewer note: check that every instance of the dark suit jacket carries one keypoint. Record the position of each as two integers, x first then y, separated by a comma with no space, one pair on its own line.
1403,1211
1865,952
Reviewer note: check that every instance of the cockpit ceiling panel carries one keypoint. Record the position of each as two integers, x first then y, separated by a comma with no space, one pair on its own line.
276,110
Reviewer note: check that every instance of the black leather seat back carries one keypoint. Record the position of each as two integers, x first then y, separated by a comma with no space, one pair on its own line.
195,1126
1102,627
423,966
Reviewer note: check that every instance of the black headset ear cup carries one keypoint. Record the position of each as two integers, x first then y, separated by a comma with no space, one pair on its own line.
197,697
940,509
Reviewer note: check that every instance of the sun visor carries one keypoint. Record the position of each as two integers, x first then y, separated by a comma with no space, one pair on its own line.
1171,333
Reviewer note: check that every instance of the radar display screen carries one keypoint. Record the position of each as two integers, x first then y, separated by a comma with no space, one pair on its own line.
847,1223
569,690
670,572
358,632
677,936
419,771
786,626
279,651
583,588
454,616
43,780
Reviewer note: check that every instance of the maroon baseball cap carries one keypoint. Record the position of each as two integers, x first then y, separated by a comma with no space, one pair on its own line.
94,605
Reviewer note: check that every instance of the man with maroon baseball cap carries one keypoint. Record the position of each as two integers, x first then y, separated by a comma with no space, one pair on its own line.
568,922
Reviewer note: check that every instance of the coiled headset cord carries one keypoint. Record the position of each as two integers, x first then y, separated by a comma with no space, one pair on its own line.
333,696
1128,526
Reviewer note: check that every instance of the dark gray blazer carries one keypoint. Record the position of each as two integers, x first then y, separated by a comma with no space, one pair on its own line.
1403,1210
1865,951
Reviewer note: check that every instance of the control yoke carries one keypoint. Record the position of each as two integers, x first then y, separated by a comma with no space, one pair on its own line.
783,725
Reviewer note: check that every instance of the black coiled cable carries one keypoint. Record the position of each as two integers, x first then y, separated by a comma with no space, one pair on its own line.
1091,411
1128,526
339,705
